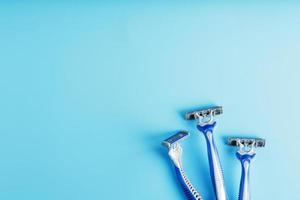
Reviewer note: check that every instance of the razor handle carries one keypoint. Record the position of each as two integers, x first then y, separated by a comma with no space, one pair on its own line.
216,171
189,191
244,193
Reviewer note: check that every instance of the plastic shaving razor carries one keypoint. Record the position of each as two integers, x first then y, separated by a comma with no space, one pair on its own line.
206,124
245,153
175,154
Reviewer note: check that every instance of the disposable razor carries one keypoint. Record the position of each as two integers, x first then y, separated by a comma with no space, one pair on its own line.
206,124
175,154
245,153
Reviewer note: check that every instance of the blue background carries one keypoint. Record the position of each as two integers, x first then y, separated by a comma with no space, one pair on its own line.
89,89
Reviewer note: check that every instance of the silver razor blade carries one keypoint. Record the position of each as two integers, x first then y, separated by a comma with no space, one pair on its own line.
217,110
175,138
256,142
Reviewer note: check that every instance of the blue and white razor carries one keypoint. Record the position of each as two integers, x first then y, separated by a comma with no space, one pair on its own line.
245,153
175,154
206,124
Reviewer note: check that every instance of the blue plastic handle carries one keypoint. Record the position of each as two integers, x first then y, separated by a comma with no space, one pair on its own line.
216,171
244,193
188,189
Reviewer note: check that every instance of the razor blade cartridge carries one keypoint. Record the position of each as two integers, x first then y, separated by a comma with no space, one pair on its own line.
175,138
212,111
256,142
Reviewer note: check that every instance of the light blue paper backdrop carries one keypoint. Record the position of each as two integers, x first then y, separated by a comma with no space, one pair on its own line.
89,89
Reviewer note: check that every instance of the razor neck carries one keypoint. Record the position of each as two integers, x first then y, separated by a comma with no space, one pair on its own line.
175,153
246,152
207,127
245,157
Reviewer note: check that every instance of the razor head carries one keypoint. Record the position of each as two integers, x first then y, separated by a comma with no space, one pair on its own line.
256,142
169,142
216,110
